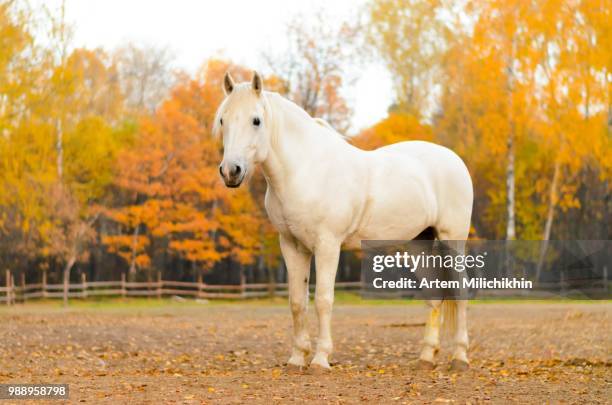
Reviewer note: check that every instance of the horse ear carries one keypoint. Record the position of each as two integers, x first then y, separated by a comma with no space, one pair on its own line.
228,84
257,83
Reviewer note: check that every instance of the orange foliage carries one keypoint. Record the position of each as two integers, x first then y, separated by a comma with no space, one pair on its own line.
172,179
397,127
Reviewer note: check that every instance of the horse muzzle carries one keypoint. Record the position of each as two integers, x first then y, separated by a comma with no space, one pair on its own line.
232,174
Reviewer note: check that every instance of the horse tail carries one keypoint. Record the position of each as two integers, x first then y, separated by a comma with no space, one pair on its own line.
449,316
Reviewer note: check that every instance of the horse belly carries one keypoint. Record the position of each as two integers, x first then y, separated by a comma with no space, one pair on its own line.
397,221
399,207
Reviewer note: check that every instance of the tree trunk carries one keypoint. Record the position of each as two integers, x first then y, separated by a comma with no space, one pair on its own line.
510,203
59,146
346,266
510,199
609,117
259,270
242,279
271,277
552,202
8,287
67,269
149,279
59,141
132,270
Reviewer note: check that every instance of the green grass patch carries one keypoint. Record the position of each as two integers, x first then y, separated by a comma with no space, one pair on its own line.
136,304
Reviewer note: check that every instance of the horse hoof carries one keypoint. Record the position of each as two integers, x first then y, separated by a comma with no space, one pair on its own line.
425,365
459,365
316,369
294,369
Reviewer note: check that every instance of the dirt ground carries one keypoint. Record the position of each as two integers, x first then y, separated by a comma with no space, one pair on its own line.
235,353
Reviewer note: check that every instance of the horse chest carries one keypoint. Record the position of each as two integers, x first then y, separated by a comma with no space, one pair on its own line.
295,218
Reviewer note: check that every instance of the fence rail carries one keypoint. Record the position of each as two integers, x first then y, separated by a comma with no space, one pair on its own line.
12,293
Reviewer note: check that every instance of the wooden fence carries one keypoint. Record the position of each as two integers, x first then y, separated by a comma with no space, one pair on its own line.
21,292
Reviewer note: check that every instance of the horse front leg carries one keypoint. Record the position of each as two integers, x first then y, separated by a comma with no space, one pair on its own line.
327,255
297,259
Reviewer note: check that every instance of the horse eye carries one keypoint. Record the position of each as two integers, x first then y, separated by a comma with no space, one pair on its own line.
256,121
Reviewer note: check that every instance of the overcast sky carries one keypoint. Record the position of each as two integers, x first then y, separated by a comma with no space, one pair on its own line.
196,30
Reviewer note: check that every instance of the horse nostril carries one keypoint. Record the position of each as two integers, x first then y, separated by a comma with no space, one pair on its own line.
235,170
221,170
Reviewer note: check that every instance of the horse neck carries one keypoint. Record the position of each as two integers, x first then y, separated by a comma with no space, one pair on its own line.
296,141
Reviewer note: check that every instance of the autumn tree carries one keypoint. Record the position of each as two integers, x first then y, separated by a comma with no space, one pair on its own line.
523,83
59,140
20,212
313,70
409,36
88,102
398,126
112,154
171,183
145,75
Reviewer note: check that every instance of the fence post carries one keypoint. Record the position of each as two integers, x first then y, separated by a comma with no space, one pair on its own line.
159,284
66,282
44,283
84,285
271,272
242,283
200,284
12,289
123,291
562,282
23,284
8,288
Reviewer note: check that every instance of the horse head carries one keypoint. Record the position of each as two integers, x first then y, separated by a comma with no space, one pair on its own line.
242,120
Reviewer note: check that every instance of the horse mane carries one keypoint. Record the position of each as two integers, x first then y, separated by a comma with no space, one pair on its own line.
272,102
323,123
286,103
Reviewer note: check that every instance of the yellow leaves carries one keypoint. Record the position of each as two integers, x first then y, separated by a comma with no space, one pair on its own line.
202,251
54,114
532,73
276,83
85,84
407,35
89,156
397,127
142,261
129,247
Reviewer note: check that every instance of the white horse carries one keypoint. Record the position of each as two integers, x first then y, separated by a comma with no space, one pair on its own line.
323,193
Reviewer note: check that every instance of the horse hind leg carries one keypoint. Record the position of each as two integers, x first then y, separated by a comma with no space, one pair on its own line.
431,339
455,309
